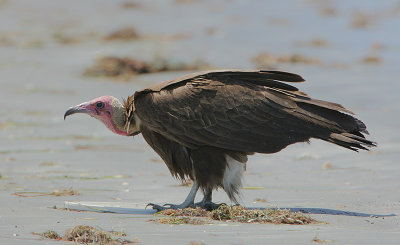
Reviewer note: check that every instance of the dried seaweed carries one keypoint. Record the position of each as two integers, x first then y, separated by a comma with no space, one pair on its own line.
51,235
126,67
83,234
67,192
233,214
124,34
267,60
275,216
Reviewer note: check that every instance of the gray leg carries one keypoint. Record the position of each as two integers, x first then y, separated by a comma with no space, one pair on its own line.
207,196
189,201
206,203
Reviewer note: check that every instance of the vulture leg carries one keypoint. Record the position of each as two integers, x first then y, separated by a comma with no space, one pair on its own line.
206,203
189,201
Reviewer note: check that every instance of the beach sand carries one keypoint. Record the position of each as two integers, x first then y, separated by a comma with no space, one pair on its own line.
347,52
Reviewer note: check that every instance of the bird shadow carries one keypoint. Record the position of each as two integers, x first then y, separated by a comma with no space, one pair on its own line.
126,208
306,211
330,212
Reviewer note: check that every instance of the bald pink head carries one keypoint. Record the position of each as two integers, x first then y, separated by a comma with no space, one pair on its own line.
107,109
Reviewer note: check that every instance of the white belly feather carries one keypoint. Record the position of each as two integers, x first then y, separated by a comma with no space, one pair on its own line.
232,180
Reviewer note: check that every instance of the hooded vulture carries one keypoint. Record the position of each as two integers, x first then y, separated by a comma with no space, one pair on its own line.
204,125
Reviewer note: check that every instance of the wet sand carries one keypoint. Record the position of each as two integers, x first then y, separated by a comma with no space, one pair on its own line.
46,46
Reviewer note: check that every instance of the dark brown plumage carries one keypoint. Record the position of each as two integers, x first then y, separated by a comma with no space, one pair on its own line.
205,124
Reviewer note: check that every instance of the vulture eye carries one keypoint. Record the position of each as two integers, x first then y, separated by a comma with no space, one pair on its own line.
99,105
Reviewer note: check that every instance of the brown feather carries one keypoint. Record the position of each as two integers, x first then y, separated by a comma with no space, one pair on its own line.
222,111
175,156
129,106
195,121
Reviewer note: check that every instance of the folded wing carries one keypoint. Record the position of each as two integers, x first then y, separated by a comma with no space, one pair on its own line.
247,111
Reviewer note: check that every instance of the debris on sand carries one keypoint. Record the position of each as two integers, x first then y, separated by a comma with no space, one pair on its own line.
127,67
48,164
66,39
319,42
378,46
316,239
328,11
196,243
5,40
51,235
115,66
131,5
361,20
124,34
181,220
260,200
191,212
274,216
267,60
83,234
316,42
67,192
233,214
87,234
372,59
193,216
327,166
186,1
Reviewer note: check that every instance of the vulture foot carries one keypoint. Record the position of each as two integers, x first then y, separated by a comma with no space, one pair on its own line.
207,205
170,206
189,201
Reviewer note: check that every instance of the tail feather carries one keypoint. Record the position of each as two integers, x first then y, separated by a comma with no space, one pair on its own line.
351,141
335,126
361,127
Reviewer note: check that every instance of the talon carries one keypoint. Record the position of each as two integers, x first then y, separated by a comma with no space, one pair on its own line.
149,204
156,207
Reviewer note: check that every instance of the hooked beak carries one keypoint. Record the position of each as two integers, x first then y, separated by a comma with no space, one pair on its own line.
81,108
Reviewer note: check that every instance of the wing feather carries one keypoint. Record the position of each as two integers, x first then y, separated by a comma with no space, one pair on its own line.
239,111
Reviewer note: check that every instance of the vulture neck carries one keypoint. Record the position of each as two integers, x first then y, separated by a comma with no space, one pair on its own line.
117,123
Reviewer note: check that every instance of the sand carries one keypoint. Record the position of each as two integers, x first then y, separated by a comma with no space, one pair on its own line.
46,45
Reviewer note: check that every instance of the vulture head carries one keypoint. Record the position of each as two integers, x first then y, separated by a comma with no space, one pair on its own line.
109,110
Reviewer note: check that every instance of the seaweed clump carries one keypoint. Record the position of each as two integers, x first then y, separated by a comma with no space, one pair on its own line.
125,34
268,215
83,234
51,235
267,60
125,68
233,214
193,216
